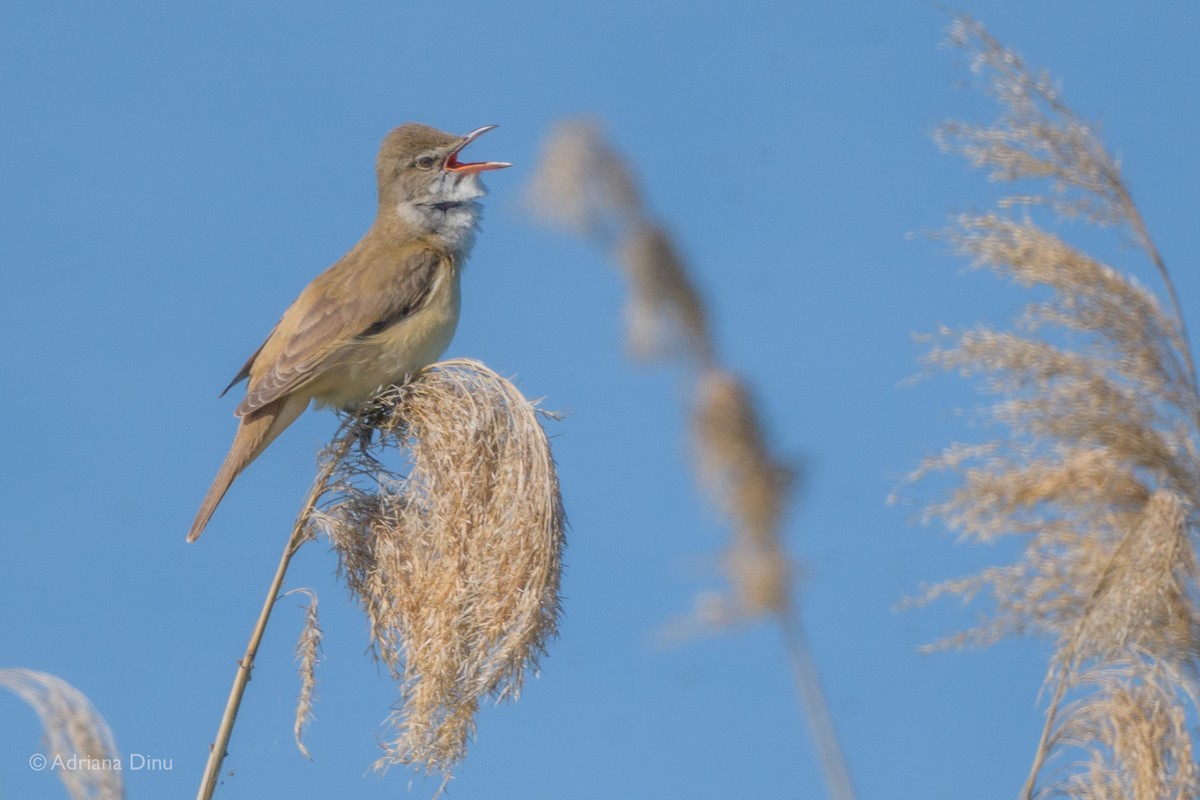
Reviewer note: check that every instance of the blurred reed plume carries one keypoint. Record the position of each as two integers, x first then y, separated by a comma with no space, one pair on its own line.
455,555
80,747
584,186
735,464
1096,473
457,562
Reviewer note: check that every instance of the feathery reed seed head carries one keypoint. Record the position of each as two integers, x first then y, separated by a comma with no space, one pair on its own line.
75,733
582,184
665,316
456,563
308,653
1097,471
1118,727
751,487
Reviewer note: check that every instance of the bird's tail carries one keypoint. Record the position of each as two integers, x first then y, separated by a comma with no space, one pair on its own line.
256,431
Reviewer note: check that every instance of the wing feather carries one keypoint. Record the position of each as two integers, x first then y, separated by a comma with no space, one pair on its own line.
351,301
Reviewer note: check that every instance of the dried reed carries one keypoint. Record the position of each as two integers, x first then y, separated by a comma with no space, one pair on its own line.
1097,472
456,563
585,187
80,747
455,555
308,653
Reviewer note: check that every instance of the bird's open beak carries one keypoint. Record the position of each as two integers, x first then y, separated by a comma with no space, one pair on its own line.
454,165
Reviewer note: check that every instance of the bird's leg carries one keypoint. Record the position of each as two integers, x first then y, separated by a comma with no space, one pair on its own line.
375,416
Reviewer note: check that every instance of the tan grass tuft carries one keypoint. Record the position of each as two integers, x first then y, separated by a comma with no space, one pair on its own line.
753,489
582,184
1118,729
1036,136
457,562
665,315
1095,470
80,747
585,186
308,653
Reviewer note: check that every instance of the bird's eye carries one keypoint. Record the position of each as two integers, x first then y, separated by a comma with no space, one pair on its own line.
425,162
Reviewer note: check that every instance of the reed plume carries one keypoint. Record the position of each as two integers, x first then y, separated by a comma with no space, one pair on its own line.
584,186
80,747
441,501
308,653
1095,469
456,561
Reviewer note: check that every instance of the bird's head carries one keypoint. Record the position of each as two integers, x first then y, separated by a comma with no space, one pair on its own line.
423,181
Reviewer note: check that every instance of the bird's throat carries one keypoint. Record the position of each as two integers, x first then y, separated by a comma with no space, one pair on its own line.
450,211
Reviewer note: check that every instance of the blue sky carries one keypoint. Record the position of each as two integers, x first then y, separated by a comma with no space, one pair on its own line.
174,175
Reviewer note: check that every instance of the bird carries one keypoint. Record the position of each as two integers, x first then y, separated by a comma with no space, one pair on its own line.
383,311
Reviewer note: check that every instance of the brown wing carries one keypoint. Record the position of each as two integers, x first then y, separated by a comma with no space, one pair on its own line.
244,372
354,299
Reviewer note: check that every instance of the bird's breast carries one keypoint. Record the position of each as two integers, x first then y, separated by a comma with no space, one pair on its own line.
387,357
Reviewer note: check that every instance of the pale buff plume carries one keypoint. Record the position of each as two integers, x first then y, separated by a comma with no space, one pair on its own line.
584,186
308,653
736,465
1096,469
80,748
664,314
581,184
455,563
442,503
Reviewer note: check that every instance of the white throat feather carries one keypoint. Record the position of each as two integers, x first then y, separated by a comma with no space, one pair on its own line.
450,210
